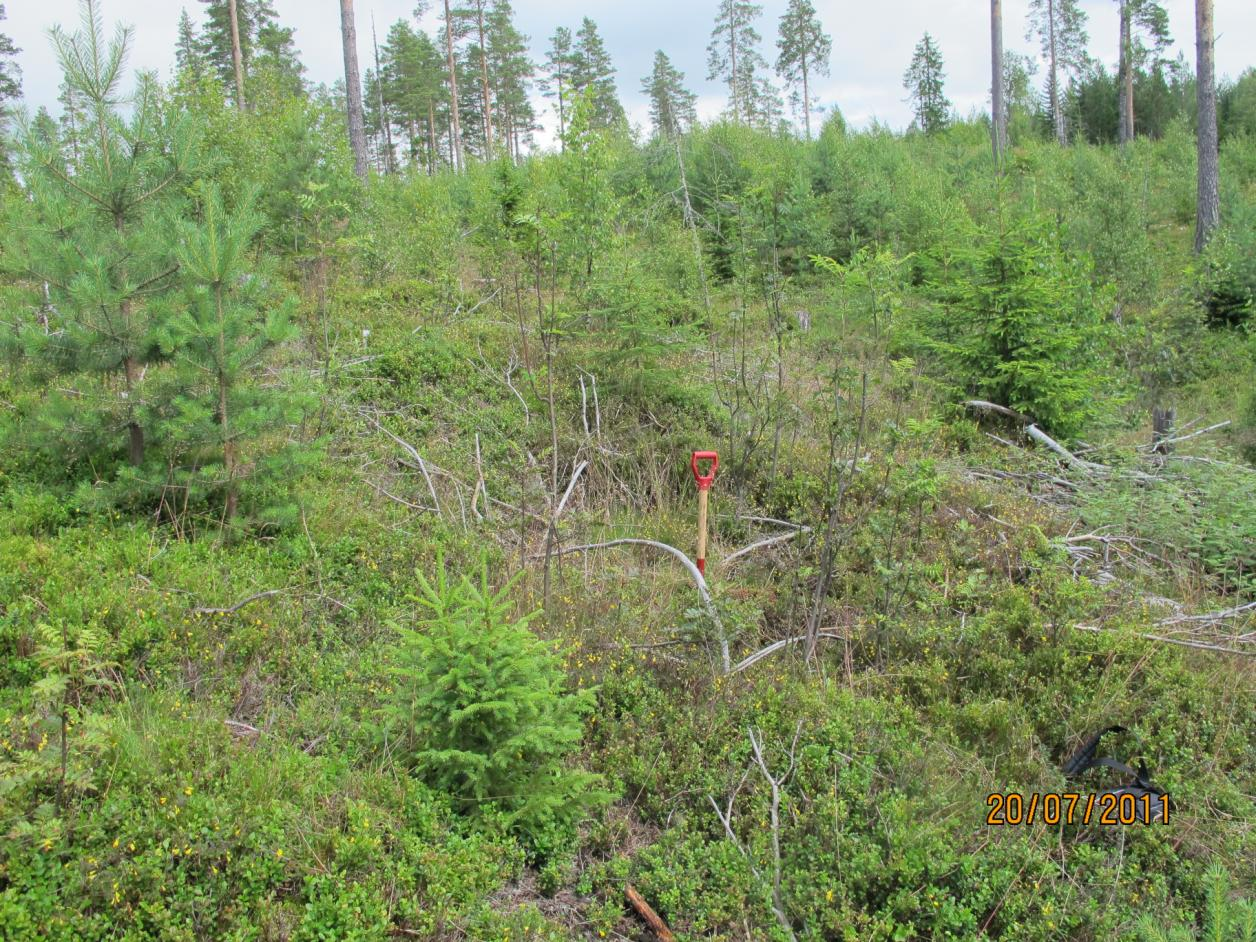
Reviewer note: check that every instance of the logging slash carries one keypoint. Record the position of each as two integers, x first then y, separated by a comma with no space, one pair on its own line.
649,916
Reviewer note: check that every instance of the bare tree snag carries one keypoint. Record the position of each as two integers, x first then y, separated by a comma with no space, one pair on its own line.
998,109
353,88
1208,211
237,55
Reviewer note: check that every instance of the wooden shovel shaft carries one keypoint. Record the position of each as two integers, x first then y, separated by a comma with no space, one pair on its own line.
702,529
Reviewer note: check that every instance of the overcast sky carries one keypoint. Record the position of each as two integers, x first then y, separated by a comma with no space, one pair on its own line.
872,41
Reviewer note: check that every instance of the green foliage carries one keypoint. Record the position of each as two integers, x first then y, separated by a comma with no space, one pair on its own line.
1228,273
923,81
481,711
1225,919
225,325
1019,325
93,235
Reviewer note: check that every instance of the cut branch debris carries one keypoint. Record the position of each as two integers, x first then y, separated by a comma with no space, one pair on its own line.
648,915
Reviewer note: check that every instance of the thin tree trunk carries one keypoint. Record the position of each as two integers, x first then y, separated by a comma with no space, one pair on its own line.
1053,81
998,117
237,55
455,143
488,106
135,432
732,59
383,108
1208,212
562,116
1126,80
224,422
431,137
353,88
806,96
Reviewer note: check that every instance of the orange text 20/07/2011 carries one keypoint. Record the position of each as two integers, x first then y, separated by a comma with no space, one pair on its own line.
1052,808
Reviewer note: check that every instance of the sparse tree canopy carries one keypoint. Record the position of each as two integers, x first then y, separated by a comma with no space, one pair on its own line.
733,57
10,84
592,69
557,80
1060,26
923,81
804,52
672,106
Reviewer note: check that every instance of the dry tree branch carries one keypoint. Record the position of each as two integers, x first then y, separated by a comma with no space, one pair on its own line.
770,541
231,610
771,649
413,453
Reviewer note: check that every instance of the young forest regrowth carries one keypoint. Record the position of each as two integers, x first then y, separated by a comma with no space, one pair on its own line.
348,525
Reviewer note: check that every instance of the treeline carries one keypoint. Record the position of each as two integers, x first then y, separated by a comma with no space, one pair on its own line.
468,90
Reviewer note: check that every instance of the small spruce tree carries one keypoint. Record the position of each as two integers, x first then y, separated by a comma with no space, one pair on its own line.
480,708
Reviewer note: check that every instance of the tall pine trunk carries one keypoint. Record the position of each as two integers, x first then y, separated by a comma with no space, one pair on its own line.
732,59
562,116
389,156
1126,77
455,129
1053,80
1208,212
431,137
353,88
998,116
237,54
488,107
806,95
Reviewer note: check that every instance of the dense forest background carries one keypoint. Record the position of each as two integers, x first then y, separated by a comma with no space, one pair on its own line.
346,516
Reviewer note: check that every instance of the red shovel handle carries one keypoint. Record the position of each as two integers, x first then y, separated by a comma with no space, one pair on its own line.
704,480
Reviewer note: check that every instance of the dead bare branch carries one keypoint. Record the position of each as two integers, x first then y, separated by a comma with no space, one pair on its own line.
231,610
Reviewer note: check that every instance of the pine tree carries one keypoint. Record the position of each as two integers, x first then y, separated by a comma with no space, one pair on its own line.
923,81
93,233
557,81
1208,206
10,74
734,58
226,323
512,72
672,106
189,56
276,63
592,70
804,50
1061,29
1140,20
998,101
353,88
265,45
474,14
378,116
10,84
450,35
73,119
413,79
